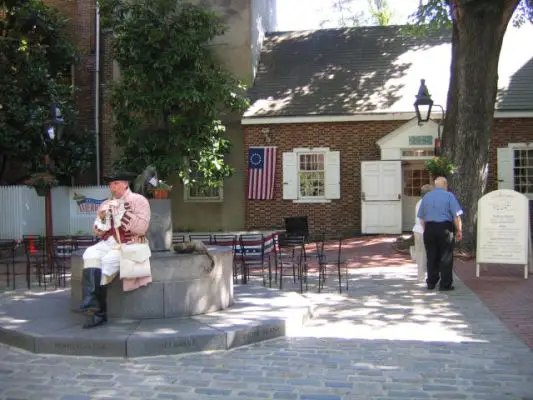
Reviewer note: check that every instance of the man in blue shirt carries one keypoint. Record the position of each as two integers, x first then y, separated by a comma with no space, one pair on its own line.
440,215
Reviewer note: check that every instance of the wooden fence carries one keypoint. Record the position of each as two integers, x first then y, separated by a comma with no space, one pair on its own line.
73,210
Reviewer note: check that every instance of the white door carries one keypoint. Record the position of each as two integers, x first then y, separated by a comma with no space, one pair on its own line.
414,177
381,197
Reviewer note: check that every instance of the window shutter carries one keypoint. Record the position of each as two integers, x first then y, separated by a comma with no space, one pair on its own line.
505,168
333,175
290,176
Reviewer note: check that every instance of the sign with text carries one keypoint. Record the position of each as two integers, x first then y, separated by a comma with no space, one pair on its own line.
420,140
503,235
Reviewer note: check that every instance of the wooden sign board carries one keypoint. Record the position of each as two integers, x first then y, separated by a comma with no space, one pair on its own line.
503,231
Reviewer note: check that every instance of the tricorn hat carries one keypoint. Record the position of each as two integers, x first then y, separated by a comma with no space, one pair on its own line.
120,176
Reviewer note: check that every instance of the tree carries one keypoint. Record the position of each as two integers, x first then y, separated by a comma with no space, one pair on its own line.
350,14
478,28
380,11
173,92
35,59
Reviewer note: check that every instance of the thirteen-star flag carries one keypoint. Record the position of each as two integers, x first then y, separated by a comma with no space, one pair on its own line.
261,172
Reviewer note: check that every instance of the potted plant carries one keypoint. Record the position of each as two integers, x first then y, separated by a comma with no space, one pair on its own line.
440,166
42,182
160,190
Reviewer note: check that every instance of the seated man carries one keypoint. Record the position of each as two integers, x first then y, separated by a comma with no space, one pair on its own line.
126,214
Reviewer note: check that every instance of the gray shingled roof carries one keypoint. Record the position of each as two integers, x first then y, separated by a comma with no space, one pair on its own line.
370,70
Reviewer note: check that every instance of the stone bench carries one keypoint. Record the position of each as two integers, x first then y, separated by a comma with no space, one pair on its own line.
180,286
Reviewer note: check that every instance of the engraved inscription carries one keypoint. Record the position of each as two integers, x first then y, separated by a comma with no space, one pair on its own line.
260,333
187,342
78,347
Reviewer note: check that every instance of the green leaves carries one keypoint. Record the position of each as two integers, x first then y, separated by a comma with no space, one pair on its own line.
173,91
35,61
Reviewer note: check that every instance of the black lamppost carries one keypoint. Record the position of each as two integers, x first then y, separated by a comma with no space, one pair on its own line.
423,105
53,130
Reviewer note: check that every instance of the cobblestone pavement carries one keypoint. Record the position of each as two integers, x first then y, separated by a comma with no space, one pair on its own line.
388,338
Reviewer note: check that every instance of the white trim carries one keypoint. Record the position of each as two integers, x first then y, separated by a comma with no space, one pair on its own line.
310,149
519,146
408,127
394,116
312,201
188,199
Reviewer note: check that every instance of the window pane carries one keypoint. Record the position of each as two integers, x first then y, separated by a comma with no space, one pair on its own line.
523,170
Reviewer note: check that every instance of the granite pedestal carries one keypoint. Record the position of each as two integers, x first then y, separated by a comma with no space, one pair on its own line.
41,322
160,230
181,287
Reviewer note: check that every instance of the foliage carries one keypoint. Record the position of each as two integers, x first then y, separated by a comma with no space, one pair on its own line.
41,180
173,92
35,61
380,11
348,13
162,185
437,14
440,166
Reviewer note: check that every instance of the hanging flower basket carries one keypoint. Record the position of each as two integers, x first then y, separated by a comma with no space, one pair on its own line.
42,182
440,166
42,190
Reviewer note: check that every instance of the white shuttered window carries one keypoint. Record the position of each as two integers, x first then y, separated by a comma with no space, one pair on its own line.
311,175
515,168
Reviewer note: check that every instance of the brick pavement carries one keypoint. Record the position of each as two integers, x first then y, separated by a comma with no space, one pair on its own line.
388,338
505,292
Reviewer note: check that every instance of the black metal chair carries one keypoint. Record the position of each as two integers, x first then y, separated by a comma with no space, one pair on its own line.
332,258
36,257
7,258
290,249
81,242
206,239
229,241
297,226
177,238
61,249
253,256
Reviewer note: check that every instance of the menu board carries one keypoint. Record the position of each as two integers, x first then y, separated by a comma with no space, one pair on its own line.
503,228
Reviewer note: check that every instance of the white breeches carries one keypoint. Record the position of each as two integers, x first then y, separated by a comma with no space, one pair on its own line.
420,256
103,255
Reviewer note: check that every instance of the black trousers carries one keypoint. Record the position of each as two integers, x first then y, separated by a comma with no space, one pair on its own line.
439,240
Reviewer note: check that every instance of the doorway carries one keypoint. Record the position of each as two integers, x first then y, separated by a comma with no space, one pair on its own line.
414,177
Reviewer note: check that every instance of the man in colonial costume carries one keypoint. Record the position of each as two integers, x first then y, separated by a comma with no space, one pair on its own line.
123,219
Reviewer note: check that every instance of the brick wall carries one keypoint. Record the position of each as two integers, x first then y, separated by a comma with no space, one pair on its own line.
357,142
81,15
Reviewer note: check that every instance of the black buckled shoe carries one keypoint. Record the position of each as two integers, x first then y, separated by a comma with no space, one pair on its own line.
95,320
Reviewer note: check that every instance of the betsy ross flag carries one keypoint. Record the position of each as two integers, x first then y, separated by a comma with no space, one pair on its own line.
261,172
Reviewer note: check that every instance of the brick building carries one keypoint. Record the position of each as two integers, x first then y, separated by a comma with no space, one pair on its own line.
338,105
238,49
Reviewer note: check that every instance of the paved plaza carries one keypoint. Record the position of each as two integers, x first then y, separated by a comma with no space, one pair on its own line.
388,338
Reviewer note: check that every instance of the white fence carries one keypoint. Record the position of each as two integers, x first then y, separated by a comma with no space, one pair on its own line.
73,210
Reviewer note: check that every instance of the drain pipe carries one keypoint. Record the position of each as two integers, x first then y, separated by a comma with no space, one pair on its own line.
97,94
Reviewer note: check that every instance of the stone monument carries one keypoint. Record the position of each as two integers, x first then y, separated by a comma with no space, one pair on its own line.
160,230
183,284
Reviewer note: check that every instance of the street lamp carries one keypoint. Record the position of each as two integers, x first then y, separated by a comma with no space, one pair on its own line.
423,105
53,129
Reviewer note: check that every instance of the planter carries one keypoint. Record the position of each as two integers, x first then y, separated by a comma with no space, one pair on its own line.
160,194
42,190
